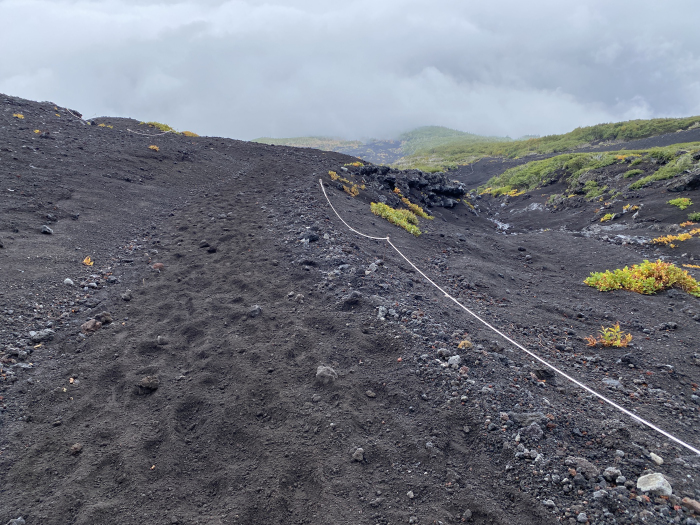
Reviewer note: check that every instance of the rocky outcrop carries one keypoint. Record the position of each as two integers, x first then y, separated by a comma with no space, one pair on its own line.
431,189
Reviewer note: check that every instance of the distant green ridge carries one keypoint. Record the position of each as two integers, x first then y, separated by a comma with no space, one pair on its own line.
466,151
386,151
322,143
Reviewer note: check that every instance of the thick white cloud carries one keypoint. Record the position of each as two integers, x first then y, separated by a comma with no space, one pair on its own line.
359,68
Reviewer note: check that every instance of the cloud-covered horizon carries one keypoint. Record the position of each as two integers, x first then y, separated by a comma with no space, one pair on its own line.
360,69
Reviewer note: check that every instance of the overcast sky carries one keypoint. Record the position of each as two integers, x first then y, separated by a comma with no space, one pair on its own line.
356,68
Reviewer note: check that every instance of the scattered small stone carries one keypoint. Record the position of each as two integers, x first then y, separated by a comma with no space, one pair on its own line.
358,455
148,385
126,296
17,521
410,494
68,282
104,318
533,432
76,449
42,335
467,515
582,518
352,298
549,503
90,326
254,311
444,353
325,375
656,459
158,266
454,361
45,229
655,483
316,398
611,473
588,469
692,505
161,340
371,394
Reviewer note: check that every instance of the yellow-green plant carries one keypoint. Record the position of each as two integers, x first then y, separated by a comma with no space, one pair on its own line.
190,134
405,219
154,148
607,217
161,127
645,278
632,173
669,240
416,209
18,115
351,190
610,336
465,345
629,208
681,202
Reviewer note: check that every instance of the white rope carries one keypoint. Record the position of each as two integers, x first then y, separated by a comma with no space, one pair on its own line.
521,347
149,134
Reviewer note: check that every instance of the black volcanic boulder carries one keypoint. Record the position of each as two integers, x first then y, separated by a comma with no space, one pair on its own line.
688,182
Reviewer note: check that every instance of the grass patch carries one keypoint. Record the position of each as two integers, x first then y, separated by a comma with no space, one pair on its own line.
681,202
695,216
405,219
162,127
572,166
645,278
417,210
190,134
672,168
592,190
610,336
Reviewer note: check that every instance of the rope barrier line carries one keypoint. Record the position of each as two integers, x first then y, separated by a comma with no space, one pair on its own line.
148,134
518,345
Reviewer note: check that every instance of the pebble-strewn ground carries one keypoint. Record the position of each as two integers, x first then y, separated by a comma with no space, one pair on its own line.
235,354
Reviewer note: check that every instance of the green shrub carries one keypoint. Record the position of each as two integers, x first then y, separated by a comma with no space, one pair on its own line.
406,219
681,202
635,162
632,173
695,216
592,189
161,127
645,278
672,169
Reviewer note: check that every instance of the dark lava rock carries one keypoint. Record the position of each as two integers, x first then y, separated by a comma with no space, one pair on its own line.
688,182
147,385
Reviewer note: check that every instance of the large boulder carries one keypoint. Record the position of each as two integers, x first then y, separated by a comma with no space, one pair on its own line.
687,182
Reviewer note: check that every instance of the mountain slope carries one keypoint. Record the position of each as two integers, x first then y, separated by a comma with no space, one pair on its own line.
225,280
